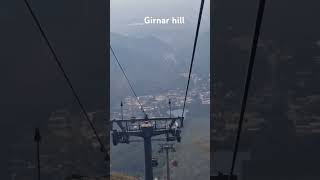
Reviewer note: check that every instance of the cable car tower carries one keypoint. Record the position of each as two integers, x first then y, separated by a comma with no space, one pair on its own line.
166,148
146,128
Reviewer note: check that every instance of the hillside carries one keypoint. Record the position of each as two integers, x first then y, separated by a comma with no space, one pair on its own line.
119,176
152,65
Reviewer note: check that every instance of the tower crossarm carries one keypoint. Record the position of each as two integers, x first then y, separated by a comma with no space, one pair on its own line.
160,125
149,119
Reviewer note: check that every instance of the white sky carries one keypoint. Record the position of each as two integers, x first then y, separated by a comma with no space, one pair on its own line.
124,12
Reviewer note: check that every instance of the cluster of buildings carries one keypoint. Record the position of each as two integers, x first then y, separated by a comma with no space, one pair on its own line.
158,105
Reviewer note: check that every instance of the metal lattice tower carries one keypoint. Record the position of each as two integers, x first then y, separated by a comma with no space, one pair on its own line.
146,128
166,147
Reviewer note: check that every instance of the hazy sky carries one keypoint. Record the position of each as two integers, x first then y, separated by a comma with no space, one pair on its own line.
124,12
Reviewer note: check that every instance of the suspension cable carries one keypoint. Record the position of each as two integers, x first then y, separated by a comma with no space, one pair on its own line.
193,53
248,79
125,75
59,64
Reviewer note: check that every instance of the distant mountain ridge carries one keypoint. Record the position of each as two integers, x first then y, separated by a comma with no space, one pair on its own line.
152,64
